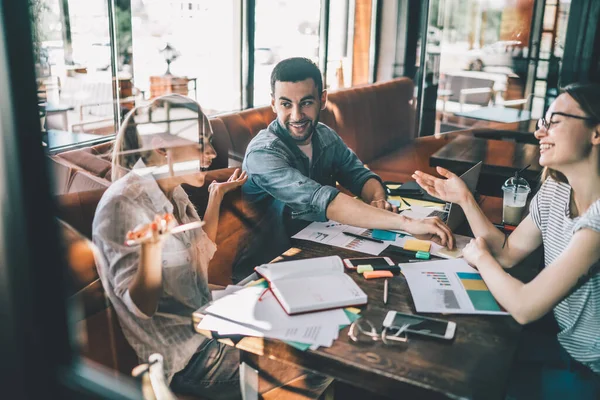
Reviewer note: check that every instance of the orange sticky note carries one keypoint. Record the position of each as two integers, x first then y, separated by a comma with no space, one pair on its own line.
417,245
378,274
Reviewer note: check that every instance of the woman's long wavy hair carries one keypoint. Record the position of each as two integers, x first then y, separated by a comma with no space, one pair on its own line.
587,95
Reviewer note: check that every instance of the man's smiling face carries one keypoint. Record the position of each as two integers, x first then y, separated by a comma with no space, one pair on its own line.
298,105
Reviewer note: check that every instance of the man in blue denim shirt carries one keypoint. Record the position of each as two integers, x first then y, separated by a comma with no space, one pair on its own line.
294,164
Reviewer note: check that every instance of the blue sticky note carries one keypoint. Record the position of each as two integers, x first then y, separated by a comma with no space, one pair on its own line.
394,202
383,235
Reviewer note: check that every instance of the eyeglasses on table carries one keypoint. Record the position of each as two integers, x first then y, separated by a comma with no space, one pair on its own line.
363,331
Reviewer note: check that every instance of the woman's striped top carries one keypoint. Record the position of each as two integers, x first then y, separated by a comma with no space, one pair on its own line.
578,315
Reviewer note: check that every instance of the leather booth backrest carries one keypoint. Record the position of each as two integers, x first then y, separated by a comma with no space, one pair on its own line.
241,127
374,119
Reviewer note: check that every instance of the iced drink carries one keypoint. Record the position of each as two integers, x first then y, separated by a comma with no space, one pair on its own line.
515,200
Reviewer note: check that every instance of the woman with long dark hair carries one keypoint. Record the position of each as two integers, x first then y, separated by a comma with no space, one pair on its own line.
565,218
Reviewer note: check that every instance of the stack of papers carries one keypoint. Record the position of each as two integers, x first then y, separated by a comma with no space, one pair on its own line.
254,311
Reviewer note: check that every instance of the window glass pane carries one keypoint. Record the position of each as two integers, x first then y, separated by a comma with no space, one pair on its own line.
546,45
338,62
202,59
542,70
549,16
476,56
284,29
72,54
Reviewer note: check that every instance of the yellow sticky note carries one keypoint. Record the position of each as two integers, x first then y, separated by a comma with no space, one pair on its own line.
474,284
353,310
417,245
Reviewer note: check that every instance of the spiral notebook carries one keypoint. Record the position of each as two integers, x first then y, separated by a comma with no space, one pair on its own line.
313,284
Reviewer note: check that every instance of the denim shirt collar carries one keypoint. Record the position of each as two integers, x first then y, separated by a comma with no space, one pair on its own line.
283,134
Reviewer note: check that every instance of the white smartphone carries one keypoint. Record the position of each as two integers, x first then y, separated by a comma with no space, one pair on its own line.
421,325
375,262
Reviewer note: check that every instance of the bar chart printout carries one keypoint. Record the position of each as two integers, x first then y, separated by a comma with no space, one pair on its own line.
449,286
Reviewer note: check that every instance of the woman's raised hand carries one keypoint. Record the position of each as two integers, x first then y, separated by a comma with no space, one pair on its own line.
152,233
452,189
237,179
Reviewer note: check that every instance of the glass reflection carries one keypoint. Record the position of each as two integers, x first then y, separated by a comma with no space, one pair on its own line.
170,137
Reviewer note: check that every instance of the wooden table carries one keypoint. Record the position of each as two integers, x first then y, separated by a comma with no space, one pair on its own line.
474,365
500,160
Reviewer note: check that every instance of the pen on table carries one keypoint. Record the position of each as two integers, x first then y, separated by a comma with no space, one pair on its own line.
362,237
405,202
385,291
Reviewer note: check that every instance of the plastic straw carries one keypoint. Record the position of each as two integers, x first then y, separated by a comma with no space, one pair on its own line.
517,180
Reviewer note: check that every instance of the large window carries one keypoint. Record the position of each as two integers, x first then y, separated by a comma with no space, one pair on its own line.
203,38
490,53
284,28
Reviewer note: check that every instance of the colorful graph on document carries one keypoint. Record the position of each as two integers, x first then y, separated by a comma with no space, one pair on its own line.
439,277
478,292
443,290
356,243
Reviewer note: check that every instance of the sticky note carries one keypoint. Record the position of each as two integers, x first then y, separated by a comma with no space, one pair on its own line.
417,245
364,268
383,235
378,274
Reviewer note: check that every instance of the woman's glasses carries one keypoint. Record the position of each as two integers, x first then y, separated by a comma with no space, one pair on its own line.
363,331
546,123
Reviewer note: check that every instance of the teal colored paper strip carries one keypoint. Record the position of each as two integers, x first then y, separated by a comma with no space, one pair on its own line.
483,300
469,275
383,235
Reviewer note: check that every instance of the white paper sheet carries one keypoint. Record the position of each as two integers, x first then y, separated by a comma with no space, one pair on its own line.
331,233
314,335
449,286
217,294
266,315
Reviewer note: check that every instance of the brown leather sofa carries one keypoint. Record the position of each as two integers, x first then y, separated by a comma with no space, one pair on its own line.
376,121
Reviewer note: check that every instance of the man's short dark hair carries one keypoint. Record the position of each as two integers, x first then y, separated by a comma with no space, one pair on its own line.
296,69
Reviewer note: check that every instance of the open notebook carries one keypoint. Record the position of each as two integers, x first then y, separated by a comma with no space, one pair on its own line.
312,284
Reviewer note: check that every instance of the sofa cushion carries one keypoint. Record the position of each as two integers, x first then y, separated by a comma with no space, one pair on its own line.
243,126
221,142
61,172
83,181
87,161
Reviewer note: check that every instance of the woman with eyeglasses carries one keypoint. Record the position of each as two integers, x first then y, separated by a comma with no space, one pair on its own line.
564,217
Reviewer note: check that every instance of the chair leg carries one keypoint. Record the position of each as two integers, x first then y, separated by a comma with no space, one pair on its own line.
248,382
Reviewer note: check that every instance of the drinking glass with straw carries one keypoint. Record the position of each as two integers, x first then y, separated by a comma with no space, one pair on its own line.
516,189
